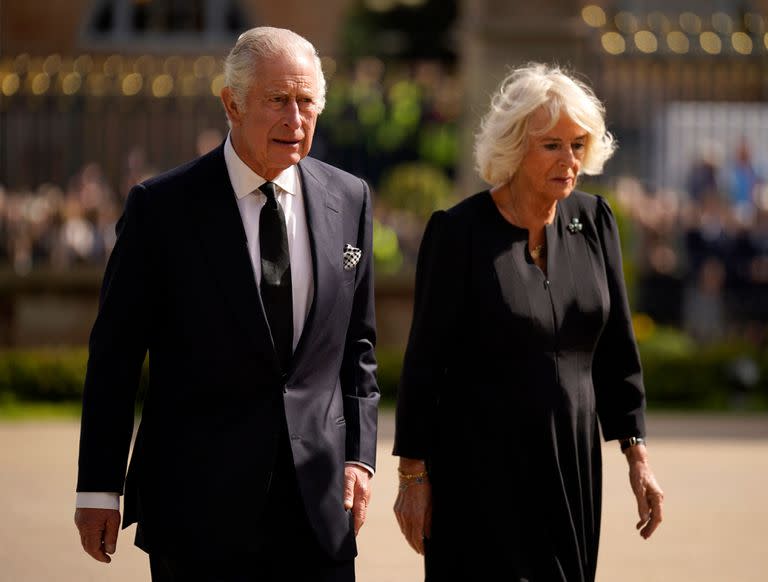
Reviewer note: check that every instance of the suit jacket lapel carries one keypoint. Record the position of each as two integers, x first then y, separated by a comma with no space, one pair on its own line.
221,230
324,223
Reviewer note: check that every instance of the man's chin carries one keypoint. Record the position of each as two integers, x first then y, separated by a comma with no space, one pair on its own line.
287,159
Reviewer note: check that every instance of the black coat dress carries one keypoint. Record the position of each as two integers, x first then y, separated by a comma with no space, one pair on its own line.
506,374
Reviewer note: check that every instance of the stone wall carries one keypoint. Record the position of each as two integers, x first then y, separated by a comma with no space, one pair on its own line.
59,308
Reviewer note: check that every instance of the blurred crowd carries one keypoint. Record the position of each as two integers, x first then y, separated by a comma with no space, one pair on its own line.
702,255
55,228
698,258
58,228
61,228
396,127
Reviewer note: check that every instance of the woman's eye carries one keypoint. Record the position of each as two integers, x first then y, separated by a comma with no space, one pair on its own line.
578,146
550,146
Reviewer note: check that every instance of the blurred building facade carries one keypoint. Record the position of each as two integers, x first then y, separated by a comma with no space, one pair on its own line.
90,80
41,28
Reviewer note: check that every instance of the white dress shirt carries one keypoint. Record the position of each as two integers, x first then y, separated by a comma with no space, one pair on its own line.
250,201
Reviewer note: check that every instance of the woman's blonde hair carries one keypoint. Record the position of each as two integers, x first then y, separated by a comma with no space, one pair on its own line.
502,140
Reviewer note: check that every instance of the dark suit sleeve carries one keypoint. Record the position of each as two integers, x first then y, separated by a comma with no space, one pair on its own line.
437,301
117,349
617,373
358,372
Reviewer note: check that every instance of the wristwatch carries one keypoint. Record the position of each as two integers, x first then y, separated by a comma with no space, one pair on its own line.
631,442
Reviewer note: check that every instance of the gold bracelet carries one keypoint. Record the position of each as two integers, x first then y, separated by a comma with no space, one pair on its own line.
409,476
405,483
406,479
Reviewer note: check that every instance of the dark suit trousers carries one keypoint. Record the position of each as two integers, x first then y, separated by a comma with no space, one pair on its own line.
290,552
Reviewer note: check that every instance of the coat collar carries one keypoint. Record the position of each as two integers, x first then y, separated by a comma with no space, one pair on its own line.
324,223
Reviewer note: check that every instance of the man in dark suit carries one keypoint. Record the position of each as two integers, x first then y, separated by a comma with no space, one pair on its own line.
247,277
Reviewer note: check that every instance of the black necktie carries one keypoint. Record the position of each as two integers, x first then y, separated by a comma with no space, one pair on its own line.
276,275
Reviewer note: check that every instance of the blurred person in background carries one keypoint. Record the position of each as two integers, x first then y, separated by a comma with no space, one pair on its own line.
137,169
704,174
743,181
78,237
5,246
521,342
704,304
207,140
246,275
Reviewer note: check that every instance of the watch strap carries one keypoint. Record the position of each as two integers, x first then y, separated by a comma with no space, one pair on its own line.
631,442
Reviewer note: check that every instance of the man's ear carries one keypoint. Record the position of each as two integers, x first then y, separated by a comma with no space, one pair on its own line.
230,105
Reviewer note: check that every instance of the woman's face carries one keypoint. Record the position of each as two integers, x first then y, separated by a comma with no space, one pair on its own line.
551,164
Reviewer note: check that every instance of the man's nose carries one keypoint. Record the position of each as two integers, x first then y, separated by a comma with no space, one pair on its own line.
292,115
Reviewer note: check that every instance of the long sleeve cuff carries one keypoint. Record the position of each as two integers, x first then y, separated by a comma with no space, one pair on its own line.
363,465
98,500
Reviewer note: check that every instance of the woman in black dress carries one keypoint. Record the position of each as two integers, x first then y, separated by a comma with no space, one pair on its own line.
521,342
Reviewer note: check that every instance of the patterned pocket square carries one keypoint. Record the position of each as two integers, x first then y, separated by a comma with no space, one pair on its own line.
351,257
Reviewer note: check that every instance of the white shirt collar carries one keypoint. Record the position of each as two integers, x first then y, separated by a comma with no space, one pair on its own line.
245,181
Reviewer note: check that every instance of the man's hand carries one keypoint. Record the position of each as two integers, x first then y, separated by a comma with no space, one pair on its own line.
413,506
357,493
650,497
98,531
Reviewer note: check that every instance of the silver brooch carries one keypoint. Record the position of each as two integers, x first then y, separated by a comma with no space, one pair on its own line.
575,226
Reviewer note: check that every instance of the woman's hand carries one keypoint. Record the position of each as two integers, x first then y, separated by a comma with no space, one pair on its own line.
649,495
413,506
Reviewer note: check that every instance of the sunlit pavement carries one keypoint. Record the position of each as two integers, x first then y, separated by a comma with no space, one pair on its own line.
714,470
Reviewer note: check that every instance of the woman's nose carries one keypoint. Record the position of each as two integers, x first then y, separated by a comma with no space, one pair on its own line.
568,158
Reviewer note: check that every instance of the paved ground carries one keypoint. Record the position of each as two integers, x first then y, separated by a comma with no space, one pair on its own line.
714,471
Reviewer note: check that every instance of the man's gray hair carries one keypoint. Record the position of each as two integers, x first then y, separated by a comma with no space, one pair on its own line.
264,42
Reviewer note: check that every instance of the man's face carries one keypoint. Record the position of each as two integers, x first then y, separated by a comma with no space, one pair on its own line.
275,127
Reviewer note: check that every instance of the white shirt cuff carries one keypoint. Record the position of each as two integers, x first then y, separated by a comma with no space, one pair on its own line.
363,465
105,500
98,500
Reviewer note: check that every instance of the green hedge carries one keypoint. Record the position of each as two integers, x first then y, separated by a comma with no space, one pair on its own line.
704,379
676,376
42,375
45,375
